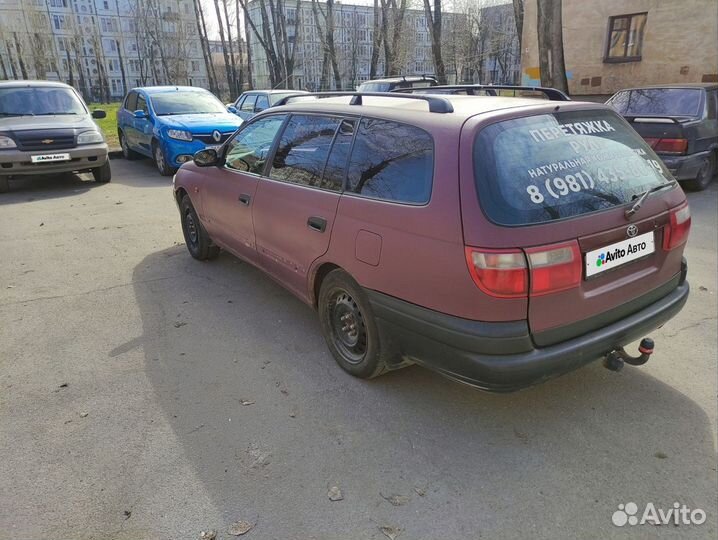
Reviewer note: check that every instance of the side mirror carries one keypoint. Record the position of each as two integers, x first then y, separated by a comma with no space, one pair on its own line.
97,113
231,108
140,114
206,158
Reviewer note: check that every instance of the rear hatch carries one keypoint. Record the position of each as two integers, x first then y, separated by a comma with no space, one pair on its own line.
659,115
553,190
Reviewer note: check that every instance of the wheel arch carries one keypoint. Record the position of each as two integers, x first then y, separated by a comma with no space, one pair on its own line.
320,272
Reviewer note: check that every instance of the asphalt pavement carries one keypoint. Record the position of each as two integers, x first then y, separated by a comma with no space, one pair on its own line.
145,395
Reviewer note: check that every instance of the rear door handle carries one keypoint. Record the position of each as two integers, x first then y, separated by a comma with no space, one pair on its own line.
244,199
317,223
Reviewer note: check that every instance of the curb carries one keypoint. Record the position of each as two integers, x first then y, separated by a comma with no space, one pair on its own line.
114,154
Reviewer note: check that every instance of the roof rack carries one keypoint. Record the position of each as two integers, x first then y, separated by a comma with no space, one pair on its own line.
437,104
551,93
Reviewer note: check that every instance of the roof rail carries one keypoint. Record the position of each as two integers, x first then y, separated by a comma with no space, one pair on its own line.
552,94
437,104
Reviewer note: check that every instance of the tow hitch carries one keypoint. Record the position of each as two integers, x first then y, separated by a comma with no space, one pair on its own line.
616,358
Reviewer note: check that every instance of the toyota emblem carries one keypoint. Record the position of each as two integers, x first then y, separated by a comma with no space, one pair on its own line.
216,135
632,231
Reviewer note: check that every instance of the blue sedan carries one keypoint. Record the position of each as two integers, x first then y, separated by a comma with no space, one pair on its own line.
171,123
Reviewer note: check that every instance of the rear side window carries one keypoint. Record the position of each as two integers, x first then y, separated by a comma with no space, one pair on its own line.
303,149
131,102
336,167
262,104
391,161
560,165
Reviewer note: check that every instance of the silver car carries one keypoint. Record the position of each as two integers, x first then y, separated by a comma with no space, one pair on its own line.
46,128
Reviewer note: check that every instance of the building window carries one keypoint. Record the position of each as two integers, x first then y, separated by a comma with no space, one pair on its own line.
625,37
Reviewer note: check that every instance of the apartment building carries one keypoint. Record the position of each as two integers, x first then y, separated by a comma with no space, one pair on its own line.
614,44
101,47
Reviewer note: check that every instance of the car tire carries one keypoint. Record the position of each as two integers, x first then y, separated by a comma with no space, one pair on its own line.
127,152
705,174
349,327
198,242
103,174
4,184
163,167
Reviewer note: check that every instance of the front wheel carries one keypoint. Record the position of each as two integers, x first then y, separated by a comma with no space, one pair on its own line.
163,167
198,242
705,174
349,327
102,174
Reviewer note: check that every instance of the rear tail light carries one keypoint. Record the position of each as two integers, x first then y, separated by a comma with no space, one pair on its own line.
676,232
498,273
671,146
554,268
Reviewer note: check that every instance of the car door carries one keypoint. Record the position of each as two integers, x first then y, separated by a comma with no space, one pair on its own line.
143,127
295,207
228,193
126,117
246,110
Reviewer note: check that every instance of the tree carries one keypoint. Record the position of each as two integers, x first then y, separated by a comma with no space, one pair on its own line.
550,44
376,41
204,44
433,21
519,18
326,36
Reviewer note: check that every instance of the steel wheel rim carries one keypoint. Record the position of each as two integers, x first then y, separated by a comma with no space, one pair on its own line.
160,159
347,327
191,228
706,171
123,144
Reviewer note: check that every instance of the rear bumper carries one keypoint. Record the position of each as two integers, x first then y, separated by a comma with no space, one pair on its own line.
502,357
82,158
684,167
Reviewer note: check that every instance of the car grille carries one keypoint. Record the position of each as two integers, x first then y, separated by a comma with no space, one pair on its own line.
45,140
207,138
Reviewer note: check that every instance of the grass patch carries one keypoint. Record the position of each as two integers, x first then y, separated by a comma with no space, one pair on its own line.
108,125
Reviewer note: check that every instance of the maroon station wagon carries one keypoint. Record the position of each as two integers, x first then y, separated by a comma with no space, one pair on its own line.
498,241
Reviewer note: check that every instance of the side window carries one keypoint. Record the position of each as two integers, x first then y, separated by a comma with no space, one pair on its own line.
248,103
131,102
239,101
712,98
391,161
141,104
249,150
336,167
262,103
303,149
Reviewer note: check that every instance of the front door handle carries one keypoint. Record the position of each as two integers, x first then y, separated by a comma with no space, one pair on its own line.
244,199
317,223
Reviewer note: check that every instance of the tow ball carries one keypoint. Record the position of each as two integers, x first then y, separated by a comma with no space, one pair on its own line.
616,358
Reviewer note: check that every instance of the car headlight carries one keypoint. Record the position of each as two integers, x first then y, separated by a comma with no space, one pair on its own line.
89,137
179,134
6,142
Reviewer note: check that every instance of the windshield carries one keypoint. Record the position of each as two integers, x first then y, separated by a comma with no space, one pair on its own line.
36,101
186,103
658,102
560,165
374,87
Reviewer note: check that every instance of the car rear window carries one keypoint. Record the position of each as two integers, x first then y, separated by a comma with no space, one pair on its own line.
560,165
658,102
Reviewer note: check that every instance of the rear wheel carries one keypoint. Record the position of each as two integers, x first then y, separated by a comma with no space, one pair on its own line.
102,174
4,184
705,174
127,152
199,244
349,327
161,161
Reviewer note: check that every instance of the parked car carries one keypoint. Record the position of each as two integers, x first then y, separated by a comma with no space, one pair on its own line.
255,101
171,123
390,84
45,128
680,122
498,241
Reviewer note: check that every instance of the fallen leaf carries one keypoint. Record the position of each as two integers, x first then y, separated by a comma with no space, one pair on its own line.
420,491
64,385
292,415
660,455
246,402
239,528
390,532
83,414
127,514
335,494
179,324
208,535
396,500
702,288
42,224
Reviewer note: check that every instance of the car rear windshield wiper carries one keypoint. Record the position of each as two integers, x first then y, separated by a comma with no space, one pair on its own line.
643,196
